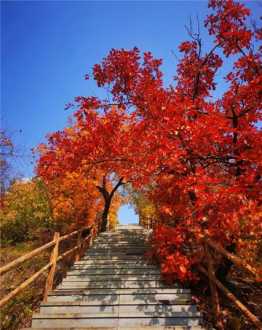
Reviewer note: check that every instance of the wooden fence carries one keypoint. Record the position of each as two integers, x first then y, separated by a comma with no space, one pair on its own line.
214,283
81,244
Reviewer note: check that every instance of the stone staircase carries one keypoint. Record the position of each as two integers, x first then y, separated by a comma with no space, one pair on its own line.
113,287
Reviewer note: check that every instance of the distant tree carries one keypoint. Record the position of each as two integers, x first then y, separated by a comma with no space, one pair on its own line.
25,211
144,207
6,151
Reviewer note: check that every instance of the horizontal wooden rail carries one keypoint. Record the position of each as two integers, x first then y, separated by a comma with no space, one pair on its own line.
34,253
22,286
67,236
236,260
215,283
25,257
65,254
51,266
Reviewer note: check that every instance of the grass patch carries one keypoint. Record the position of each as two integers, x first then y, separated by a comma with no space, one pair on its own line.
17,313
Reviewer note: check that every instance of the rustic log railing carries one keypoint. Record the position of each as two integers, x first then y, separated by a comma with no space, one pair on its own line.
81,244
214,283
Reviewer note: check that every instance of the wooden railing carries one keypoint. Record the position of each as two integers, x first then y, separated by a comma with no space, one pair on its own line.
81,244
214,283
150,223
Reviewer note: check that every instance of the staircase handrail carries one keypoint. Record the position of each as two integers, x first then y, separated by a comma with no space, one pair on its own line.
214,283
54,258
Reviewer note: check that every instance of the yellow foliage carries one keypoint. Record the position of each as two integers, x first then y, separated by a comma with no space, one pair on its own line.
113,218
145,208
75,198
25,209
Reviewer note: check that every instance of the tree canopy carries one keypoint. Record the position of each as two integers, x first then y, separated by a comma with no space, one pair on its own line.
195,157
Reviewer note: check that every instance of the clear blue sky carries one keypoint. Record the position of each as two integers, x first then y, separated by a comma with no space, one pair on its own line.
48,46
126,214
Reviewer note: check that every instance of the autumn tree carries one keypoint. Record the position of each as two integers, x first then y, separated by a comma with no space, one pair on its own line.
88,153
25,211
200,154
144,208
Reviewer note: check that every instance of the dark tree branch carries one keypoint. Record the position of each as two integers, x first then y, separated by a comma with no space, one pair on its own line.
108,196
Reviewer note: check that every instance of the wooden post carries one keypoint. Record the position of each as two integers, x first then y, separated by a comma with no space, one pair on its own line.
53,260
255,320
213,289
236,260
79,245
91,236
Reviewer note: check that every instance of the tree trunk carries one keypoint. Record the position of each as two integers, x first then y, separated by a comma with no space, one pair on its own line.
105,215
224,269
108,196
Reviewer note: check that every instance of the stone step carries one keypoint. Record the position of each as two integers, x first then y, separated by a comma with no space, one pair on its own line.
116,243
129,233
149,327
109,266
118,257
128,255
141,234
117,264
130,226
100,267
111,285
108,291
106,278
128,299
108,319
113,271
117,250
159,309
120,242
114,261
121,239
113,243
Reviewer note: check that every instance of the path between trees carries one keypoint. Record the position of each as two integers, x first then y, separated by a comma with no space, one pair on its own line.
114,287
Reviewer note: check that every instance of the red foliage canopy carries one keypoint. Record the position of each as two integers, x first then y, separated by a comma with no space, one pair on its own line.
200,156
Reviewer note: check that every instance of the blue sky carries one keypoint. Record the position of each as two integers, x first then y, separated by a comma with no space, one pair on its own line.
48,46
126,214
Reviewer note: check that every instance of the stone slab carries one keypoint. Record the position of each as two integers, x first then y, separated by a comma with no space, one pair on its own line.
115,309
80,321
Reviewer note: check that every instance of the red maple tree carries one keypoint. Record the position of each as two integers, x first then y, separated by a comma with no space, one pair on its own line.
196,157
